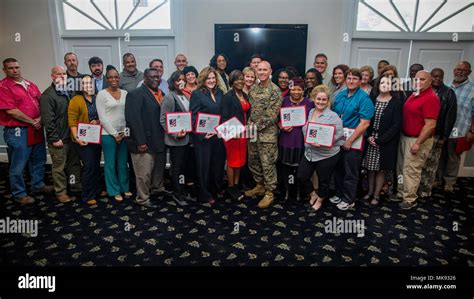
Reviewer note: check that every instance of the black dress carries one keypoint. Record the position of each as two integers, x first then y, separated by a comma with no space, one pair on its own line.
372,158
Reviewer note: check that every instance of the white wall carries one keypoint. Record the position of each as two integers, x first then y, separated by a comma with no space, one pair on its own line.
36,56
35,51
324,19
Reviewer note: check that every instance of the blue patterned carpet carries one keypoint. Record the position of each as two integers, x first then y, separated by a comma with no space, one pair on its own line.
126,234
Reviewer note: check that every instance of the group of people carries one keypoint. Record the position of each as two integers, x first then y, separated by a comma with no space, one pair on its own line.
406,135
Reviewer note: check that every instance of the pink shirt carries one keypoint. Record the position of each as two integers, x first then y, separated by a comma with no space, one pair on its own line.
14,95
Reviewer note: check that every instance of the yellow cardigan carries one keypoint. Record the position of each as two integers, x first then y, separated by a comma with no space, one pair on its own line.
77,112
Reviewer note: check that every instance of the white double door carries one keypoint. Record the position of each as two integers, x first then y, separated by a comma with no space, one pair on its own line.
111,51
431,54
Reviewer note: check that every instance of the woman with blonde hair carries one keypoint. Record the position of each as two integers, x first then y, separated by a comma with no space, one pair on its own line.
316,157
209,150
250,78
367,77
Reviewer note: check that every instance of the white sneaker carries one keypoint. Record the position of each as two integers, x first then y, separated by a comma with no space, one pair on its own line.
335,199
345,206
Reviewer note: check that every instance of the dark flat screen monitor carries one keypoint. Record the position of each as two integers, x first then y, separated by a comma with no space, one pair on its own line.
282,45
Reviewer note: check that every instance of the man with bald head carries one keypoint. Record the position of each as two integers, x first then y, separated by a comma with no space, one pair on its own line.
265,100
180,62
420,113
65,161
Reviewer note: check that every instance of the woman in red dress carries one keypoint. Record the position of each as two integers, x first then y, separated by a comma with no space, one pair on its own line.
235,104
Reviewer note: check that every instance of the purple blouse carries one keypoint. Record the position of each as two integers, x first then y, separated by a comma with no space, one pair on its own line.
294,139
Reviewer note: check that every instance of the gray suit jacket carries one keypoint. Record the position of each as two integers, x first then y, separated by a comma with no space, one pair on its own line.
171,103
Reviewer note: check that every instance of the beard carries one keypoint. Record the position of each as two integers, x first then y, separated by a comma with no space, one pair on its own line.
460,78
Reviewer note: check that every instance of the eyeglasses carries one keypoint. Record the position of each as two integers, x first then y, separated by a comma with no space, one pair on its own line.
352,78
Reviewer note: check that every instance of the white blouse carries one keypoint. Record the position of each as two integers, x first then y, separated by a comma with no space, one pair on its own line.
111,112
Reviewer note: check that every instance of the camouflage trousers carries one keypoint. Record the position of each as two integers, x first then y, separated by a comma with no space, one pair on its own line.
262,163
428,174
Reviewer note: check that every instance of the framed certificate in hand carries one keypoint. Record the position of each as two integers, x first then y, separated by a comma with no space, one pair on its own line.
178,121
357,144
230,129
293,116
321,134
206,123
89,133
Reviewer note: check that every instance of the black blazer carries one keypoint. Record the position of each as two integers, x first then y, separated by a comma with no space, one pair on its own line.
142,114
201,101
231,107
447,112
389,130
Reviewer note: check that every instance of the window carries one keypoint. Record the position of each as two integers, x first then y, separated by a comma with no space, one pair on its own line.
116,15
416,16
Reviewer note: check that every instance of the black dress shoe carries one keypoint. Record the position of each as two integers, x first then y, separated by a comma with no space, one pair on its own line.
167,192
190,197
234,193
148,204
179,200
220,195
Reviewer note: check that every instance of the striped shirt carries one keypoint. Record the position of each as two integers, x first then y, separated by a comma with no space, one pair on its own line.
465,110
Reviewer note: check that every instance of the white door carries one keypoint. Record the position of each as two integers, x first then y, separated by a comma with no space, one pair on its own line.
430,54
112,49
147,49
369,52
446,55
85,48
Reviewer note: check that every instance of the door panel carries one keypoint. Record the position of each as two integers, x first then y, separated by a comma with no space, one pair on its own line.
147,49
444,55
107,49
369,52
430,54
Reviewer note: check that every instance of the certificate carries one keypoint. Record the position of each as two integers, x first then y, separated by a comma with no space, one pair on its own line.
89,133
230,129
293,116
206,123
321,134
357,144
178,121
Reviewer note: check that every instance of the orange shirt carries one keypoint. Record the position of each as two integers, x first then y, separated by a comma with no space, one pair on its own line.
158,95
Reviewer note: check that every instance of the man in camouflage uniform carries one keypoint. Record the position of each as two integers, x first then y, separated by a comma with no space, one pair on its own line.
444,126
265,102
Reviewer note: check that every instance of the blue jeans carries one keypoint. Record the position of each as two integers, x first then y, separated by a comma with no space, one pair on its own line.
20,154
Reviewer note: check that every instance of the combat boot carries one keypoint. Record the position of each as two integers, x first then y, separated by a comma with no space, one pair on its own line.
258,190
266,200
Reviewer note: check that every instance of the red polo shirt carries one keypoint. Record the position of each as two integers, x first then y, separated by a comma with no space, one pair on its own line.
418,108
14,95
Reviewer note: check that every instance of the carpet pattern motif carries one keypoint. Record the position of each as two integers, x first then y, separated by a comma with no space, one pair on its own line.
439,231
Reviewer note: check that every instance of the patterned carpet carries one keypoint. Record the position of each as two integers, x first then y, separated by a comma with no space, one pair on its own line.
113,233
